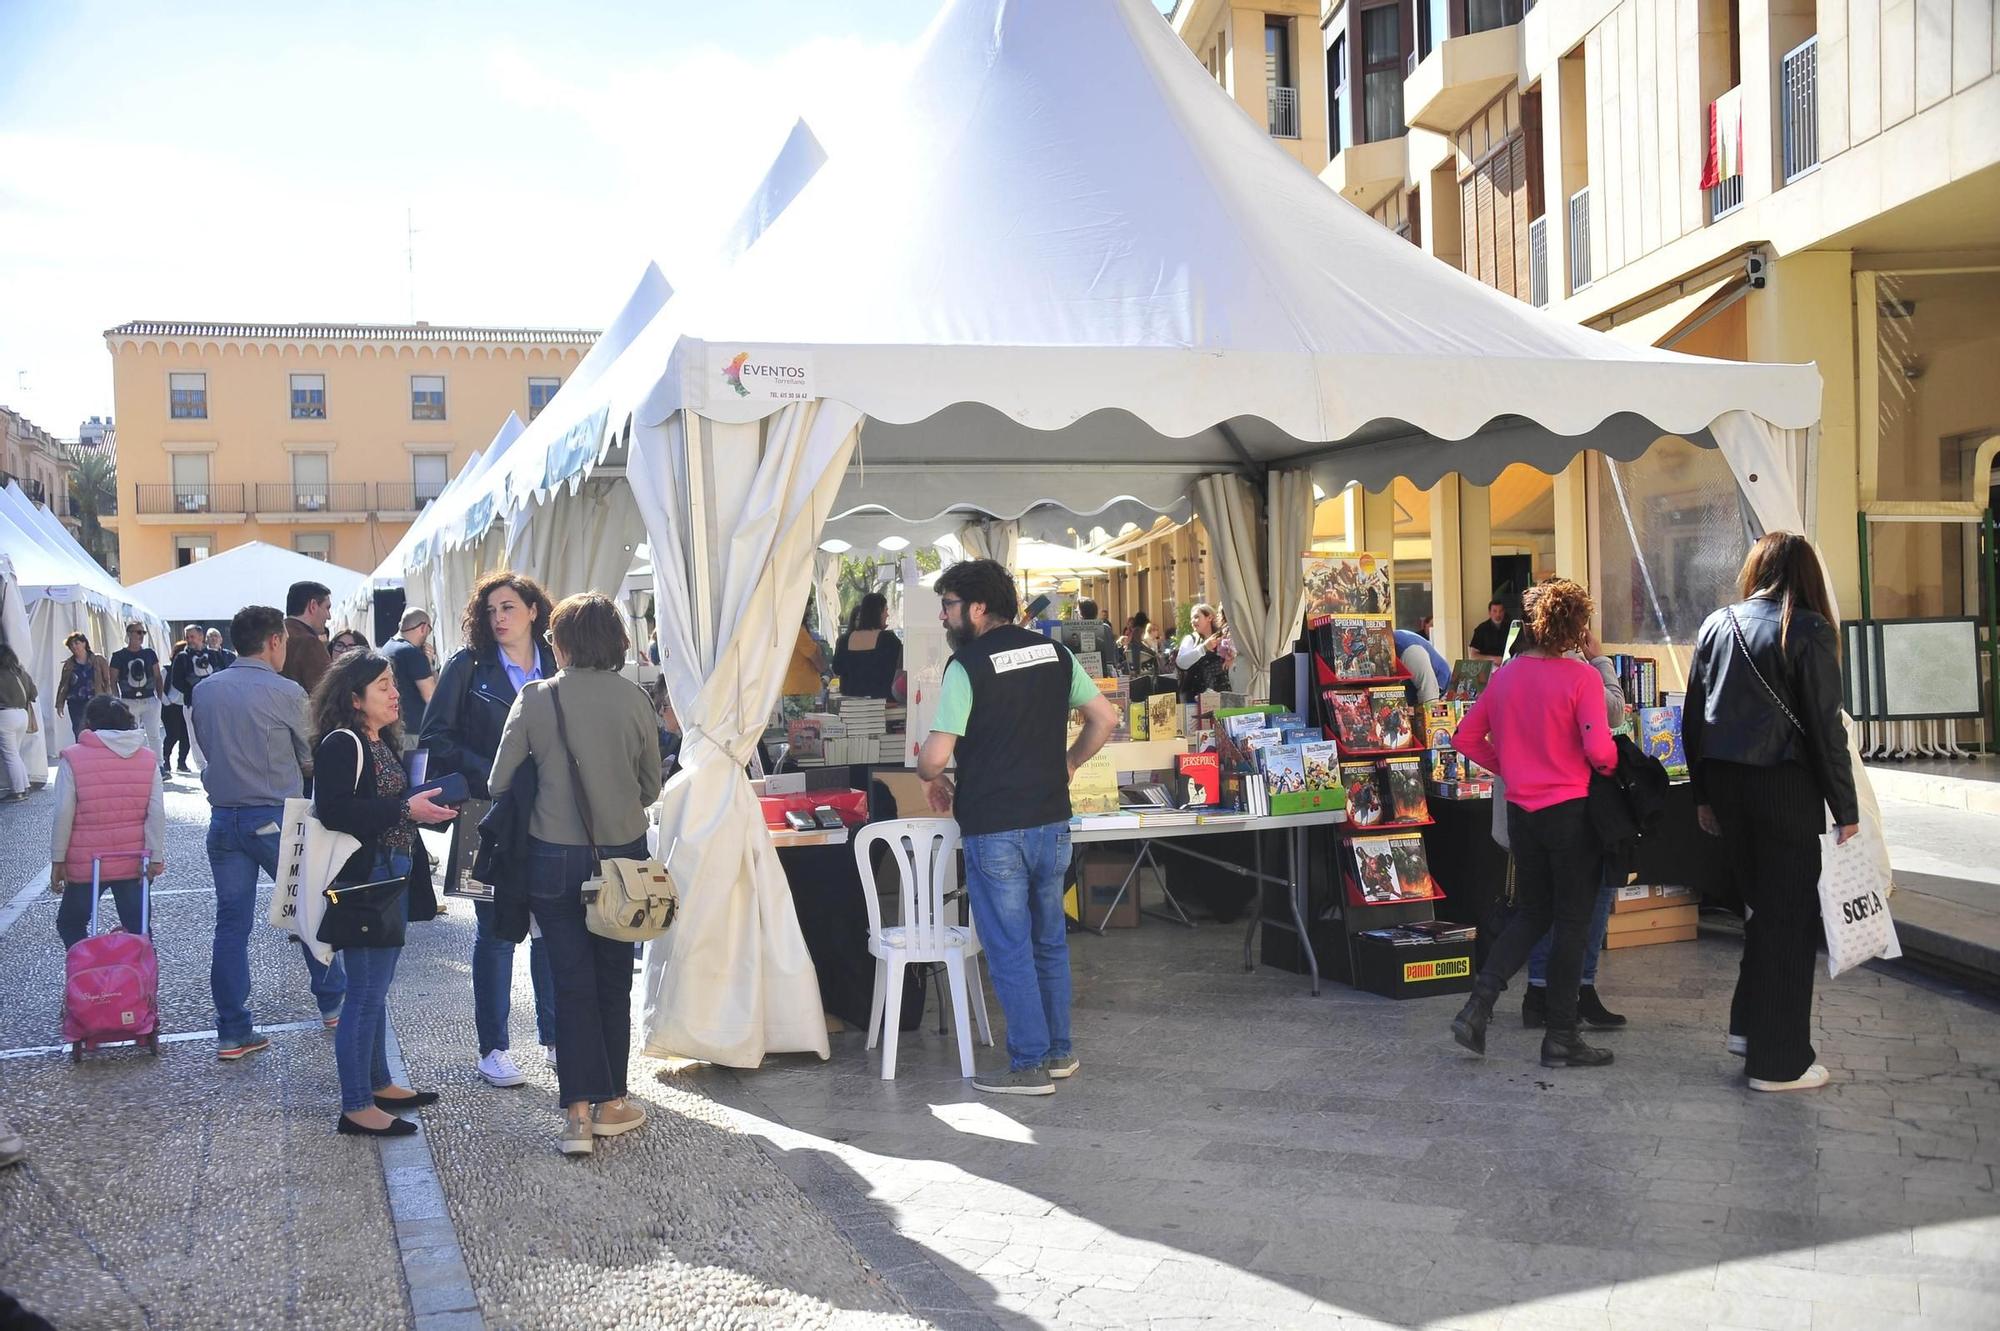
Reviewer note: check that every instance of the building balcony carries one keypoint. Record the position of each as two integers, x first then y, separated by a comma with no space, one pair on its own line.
1538,263
1455,82
1579,240
405,498
1367,173
177,502
292,501
1798,108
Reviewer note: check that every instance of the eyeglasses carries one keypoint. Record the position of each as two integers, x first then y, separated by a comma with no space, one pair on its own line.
949,601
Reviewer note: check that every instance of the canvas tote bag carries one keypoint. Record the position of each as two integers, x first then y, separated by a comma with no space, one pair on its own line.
309,855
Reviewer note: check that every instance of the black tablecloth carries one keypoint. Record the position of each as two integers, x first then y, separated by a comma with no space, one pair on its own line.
826,892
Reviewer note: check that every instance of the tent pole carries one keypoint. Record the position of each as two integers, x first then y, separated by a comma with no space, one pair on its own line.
1867,574
700,556
1989,572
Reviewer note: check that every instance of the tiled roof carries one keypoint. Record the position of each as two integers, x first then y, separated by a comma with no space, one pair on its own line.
580,337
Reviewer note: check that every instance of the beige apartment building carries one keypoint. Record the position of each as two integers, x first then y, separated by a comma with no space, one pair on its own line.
326,439
1560,151
39,463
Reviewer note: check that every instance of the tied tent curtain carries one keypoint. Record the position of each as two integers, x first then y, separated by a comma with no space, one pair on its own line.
1263,580
997,539
732,980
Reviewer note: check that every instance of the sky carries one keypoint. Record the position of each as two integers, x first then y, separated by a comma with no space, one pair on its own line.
268,162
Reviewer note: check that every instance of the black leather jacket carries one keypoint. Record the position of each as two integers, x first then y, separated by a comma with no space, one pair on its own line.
1730,718
464,718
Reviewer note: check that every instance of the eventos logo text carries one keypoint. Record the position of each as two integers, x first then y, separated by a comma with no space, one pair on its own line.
780,376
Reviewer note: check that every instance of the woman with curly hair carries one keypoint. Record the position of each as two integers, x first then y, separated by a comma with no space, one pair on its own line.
359,788
1541,725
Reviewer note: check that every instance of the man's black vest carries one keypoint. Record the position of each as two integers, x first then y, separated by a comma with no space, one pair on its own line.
1013,767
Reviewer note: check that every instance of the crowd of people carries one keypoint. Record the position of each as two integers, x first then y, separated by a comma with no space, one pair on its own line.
283,712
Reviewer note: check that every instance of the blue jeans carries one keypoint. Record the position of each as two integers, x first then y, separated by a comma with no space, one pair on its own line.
240,842
1593,943
1014,882
73,915
493,984
361,1045
593,975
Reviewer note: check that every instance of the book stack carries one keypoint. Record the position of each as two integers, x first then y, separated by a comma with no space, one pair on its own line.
867,737
1639,676
1453,776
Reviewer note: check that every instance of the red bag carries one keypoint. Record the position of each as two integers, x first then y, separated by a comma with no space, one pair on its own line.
112,989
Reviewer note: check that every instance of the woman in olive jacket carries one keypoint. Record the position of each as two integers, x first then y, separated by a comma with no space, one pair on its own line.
1768,757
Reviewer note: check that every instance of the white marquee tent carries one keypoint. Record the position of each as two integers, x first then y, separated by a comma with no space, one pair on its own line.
1065,269
215,588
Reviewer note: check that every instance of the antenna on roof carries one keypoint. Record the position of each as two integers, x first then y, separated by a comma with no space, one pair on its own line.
410,257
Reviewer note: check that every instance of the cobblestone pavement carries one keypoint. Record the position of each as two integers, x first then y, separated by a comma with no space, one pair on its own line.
1235,1152
182,1192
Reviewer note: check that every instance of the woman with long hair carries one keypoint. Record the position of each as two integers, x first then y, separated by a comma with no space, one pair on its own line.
1768,757
1204,655
17,720
505,621
85,674
594,739
868,655
1541,725
359,788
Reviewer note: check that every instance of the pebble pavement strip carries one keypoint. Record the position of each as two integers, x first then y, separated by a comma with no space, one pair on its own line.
441,1293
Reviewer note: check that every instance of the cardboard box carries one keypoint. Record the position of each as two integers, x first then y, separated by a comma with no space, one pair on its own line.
1668,924
1102,872
1683,934
1651,896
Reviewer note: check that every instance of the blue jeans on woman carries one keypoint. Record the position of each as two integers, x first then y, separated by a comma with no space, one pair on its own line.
361,1045
1593,943
73,915
493,984
593,975
1014,883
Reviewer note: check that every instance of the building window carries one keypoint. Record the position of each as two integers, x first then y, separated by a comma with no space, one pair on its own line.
308,397
1486,15
540,391
426,397
309,477
187,396
1336,97
189,547
190,481
1382,73
318,544
430,472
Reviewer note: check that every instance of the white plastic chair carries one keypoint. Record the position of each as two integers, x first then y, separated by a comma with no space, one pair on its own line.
926,855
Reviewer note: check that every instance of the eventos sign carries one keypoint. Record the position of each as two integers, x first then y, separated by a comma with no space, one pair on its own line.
785,376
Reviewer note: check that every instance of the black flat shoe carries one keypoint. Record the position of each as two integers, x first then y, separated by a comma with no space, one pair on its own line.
402,1104
347,1127
1563,1049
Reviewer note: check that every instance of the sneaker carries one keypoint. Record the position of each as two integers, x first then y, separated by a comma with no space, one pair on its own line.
605,1121
577,1138
1812,1079
1020,1081
1738,1045
231,1050
13,1147
499,1069
1061,1066
549,1052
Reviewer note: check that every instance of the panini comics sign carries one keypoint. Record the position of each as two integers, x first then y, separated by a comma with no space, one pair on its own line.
784,376
1445,968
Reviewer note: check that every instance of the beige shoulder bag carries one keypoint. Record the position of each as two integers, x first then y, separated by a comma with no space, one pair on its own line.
632,901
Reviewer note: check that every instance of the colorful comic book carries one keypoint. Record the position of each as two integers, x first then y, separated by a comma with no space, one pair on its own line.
1198,778
1353,719
1403,787
1364,794
1284,770
1363,649
1322,759
1391,869
1395,719
1469,678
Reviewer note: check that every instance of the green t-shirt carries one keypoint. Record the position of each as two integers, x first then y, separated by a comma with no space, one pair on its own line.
955,696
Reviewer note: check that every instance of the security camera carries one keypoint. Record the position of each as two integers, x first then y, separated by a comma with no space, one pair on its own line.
1756,269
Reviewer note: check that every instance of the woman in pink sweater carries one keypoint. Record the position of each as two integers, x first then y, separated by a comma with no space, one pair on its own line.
1541,725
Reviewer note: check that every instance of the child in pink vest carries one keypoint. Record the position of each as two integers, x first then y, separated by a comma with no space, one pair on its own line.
109,807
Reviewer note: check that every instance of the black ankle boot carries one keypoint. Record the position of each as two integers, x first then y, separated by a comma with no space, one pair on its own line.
1535,1007
1593,1012
1469,1026
1566,1049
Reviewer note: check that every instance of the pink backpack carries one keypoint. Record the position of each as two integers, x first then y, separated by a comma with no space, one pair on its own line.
113,981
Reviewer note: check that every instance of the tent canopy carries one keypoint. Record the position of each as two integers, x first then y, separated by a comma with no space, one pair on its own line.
50,563
252,574
998,283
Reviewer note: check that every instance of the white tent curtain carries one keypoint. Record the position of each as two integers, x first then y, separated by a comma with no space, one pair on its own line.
579,542
992,538
1263,580
14,630
826,594
733,981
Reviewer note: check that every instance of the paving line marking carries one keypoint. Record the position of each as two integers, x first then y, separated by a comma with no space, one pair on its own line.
434,1272
183,1037
23,897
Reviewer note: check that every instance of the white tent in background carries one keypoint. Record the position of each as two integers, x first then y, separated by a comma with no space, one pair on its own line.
1065,268
217,587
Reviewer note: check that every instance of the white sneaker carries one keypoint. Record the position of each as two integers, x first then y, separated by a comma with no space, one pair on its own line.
549,1052
499,1069
1815,1077
1738,1045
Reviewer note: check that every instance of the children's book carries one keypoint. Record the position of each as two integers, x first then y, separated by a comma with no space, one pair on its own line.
1660,735
1469,678
1094,788
1284,770
1322,760
1163,717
